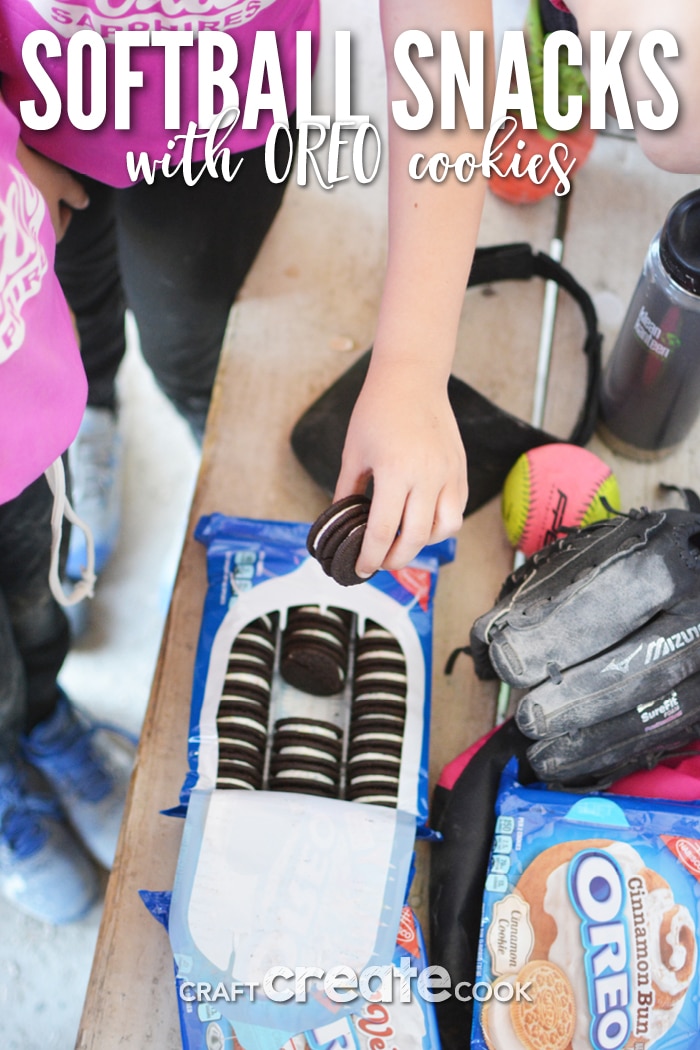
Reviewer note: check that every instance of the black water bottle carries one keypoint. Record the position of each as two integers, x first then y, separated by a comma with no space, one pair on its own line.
650,394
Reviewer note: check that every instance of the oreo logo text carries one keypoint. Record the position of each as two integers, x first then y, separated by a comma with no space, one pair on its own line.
597,891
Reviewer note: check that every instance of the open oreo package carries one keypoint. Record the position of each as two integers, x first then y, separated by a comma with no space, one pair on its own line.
306,788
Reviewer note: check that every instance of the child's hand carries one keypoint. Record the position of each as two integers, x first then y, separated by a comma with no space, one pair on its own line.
404,435
57,186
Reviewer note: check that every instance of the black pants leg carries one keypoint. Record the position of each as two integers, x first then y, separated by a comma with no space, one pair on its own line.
181,254
87,266
34,636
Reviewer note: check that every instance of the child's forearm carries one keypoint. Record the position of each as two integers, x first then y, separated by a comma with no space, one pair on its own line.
433,226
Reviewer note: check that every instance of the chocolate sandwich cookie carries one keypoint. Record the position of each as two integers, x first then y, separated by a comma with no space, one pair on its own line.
249,727
255,644
249,659
230,710
380,733
335,538
359,753
313,669
321,770
231,737
244,694
374,798
369,718
305,746
233,783
385,705
368,654
314,727
374,632
374,773
245,671
380,677
265,625
232,772
259,644
303,786
336,622
315,648
242,751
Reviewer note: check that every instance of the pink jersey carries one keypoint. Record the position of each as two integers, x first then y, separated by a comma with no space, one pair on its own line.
42,383
100,153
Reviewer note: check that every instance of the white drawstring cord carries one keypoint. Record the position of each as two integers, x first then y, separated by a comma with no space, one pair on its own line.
85,587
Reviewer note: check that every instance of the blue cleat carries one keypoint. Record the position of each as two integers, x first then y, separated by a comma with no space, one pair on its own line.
72,752
43,869
95,460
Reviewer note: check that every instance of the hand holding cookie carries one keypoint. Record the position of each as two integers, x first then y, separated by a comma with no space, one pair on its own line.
404,436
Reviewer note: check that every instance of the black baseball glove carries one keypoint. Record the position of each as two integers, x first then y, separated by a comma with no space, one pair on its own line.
602,628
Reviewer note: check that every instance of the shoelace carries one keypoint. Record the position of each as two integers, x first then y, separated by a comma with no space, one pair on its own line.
85,587
21,825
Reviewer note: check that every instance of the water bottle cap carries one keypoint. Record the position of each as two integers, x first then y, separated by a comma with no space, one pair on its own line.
679,245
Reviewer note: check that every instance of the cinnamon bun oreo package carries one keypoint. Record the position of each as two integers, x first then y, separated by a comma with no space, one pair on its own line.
589,936
308,769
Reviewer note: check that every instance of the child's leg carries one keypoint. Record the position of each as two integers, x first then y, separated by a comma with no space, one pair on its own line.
678,148
185,253
34,636
88,269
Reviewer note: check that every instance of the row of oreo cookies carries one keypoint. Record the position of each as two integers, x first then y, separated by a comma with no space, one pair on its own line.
316,649
306,753
243,714
306,757
378,718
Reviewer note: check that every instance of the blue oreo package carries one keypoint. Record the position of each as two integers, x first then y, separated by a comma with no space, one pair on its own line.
591,913
258,568
301,805
389,1013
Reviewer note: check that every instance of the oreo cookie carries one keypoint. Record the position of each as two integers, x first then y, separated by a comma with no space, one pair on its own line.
379,704
303,746
233,772
242,751
374,797
360,754
335,538
314,727
369,787
384,733
315,649
320,770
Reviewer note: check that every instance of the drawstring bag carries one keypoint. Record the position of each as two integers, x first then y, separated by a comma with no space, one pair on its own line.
493,438
43,388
